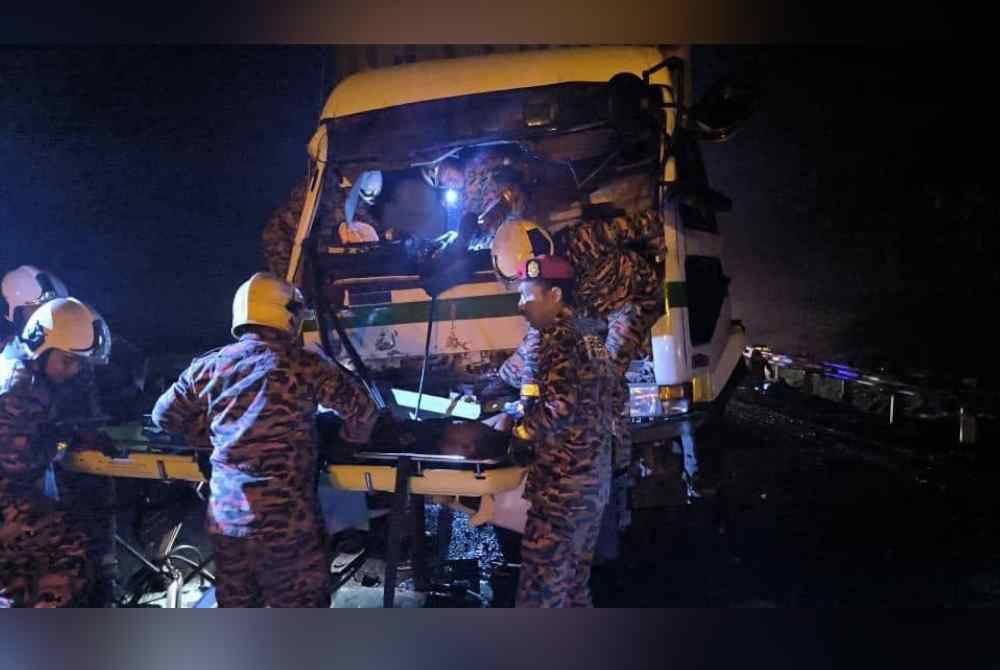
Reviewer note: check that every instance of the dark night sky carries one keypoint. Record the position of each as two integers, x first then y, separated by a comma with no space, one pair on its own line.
143,177
864,216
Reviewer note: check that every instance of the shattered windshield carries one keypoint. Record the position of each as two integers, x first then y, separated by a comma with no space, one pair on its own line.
412,132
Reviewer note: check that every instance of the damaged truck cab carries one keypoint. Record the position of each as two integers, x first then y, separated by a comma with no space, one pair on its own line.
596,130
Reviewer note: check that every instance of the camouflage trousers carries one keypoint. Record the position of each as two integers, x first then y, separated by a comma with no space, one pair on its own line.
628,333
557,551
43,552
91,497
272,570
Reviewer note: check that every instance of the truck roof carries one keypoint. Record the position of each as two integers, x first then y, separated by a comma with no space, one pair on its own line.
447,78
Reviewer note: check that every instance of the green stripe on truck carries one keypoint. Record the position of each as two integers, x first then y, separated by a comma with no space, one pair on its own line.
457,309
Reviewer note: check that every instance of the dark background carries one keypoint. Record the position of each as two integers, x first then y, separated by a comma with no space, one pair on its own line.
862,228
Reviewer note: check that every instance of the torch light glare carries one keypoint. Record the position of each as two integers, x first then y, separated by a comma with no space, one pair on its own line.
451,197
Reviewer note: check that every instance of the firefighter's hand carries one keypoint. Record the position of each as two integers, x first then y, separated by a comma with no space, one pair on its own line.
501,422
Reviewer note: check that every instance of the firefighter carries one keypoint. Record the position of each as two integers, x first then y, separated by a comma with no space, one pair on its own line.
92,497
616,284
254,402
569,479
341,217
356,226
493,186
45,559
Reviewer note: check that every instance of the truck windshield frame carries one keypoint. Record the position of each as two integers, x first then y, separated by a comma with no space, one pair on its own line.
404,134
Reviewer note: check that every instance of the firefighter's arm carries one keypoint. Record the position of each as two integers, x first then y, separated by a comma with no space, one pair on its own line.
181,406
630,228
558,389
512,370
345,395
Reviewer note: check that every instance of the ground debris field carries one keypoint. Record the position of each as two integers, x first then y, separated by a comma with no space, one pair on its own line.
822,506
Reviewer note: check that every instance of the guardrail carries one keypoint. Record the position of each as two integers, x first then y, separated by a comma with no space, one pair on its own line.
893,396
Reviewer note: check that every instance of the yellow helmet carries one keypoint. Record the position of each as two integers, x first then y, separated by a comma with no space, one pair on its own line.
514,243
266,300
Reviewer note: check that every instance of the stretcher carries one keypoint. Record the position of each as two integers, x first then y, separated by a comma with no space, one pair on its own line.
484,467
467,480
448,461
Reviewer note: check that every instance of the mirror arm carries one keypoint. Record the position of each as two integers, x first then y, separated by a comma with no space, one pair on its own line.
676,67
672,63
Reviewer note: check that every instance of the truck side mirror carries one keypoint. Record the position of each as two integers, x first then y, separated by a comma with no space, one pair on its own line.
723,110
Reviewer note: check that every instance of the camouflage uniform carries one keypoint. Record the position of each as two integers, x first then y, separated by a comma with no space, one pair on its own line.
278,236
614,282
618,285
256,401
569,480
91,497
43,549
522,366
487,172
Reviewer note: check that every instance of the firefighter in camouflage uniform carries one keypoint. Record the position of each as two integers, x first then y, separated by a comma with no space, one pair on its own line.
618,284
255,402
569,479
92,497
44,548
332,219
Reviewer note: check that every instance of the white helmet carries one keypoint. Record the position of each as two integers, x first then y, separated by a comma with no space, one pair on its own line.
68,325
266,300
367,187
370,185
27,286
514,243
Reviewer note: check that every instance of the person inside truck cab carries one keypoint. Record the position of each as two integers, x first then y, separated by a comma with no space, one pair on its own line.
482,188
331,224
357,224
